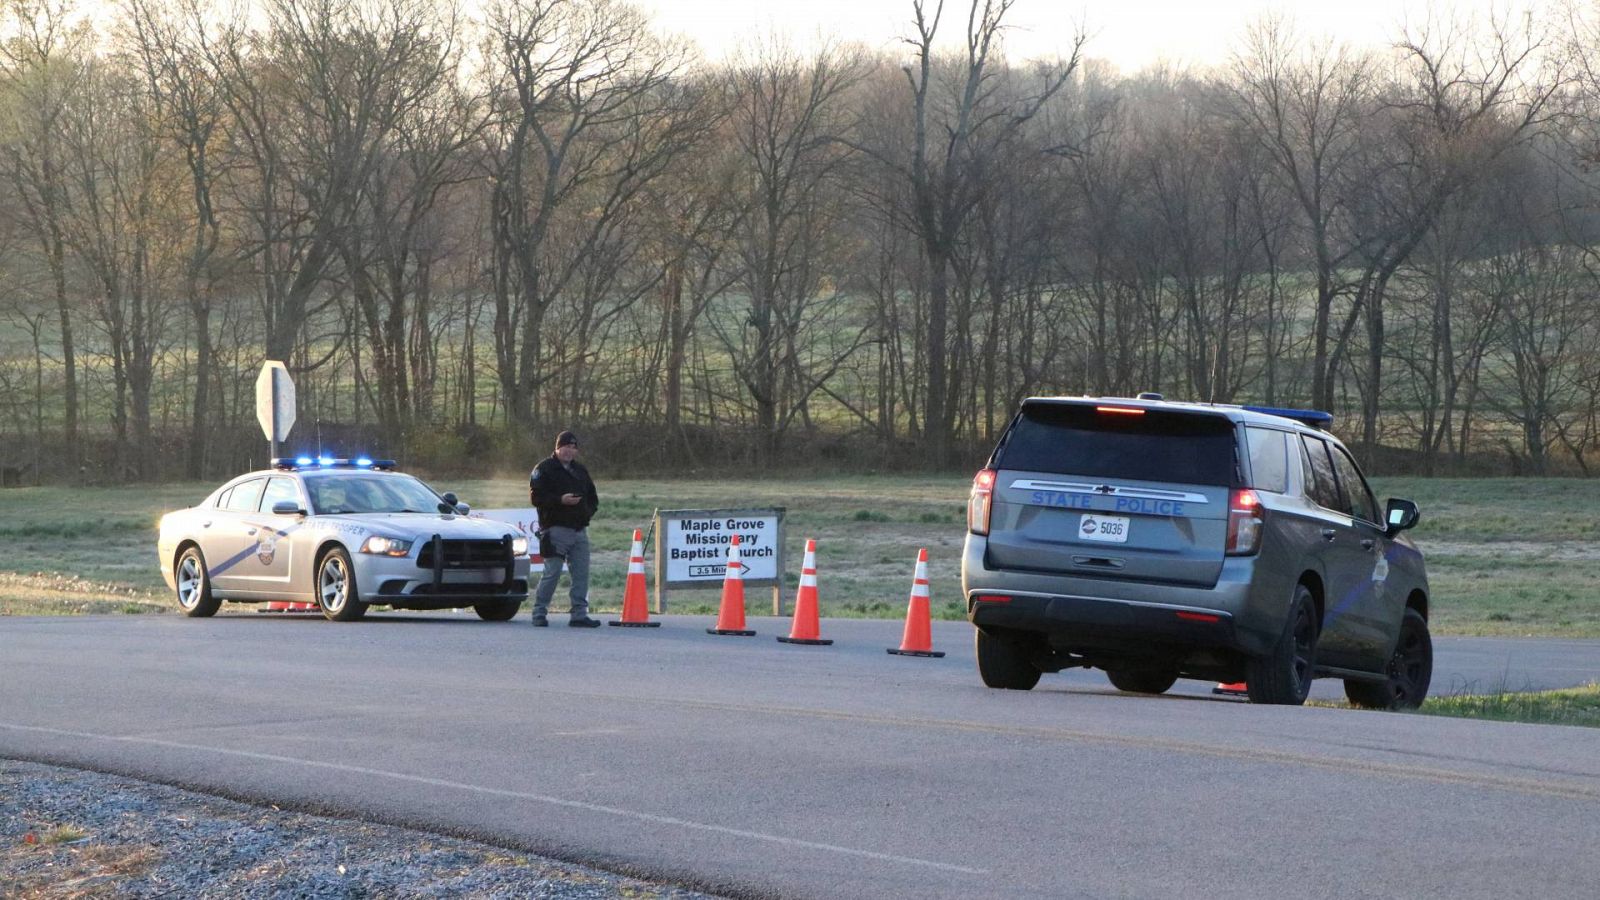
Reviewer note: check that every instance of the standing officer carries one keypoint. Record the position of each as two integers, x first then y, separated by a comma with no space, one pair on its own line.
561,489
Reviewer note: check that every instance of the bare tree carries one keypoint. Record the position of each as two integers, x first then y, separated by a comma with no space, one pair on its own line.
41,69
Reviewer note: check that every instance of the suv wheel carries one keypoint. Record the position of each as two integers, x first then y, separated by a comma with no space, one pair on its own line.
336,588
1143,679
1002,664
1410,670
1284,675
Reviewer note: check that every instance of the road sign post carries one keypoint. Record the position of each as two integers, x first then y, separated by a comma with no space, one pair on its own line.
275,402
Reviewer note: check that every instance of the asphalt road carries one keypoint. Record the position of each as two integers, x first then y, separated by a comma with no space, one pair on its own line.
751,767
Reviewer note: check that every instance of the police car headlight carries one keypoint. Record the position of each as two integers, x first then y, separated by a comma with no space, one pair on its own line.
519,546
385,546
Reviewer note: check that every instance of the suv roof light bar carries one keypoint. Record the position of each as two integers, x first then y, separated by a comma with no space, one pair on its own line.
1315,418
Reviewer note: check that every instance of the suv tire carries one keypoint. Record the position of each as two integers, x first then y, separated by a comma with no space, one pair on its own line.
1143,679
1002,664
1410,670
1284,675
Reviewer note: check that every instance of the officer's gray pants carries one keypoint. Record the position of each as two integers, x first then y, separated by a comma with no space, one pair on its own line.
572,547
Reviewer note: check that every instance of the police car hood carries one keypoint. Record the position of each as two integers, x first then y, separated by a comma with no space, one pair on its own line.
422,525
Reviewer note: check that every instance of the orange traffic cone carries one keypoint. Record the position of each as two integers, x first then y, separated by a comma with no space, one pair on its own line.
635,604
918,638
730,619
301,607
275,606
1235,689
806,624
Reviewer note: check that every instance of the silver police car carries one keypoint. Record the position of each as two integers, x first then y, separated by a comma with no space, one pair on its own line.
1160,540
344,534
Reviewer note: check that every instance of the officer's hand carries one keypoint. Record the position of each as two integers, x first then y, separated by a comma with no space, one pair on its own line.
571,499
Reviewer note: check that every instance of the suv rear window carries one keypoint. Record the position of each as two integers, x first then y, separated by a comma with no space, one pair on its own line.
1073,439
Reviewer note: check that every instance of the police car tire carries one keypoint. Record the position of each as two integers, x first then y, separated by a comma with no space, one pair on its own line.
1004,665
498,610
1410,670
1283,676
1143,679
353,609
207,604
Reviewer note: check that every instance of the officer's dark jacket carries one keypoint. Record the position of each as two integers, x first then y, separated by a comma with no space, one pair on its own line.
549,481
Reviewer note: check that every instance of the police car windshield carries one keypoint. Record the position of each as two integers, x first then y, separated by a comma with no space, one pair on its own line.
340,494
1156,445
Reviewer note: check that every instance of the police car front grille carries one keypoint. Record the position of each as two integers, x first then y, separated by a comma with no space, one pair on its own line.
465,554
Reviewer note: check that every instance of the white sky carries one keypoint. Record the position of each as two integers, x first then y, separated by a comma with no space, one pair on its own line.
1129,33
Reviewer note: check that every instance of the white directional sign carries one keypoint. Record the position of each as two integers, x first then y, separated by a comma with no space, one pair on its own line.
694,545
275,401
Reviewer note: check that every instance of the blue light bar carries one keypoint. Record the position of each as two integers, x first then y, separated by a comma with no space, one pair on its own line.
1313,417
324,460
363,462
304,461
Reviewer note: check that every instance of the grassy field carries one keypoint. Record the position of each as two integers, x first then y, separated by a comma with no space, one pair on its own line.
1505,556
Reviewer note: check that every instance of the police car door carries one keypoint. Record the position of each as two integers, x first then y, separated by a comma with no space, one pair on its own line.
1339,552
1375,605
267,568
227,547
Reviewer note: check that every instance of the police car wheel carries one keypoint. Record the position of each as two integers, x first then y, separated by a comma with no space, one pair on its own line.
336,588
1283,676
498,610
1143,679
1410,671
1002,664
194,585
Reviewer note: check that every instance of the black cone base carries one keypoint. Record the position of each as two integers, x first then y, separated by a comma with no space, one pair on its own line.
811,641
635,624
729,631
929,653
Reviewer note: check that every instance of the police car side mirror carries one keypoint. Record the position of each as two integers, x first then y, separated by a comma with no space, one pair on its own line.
463,508
287,508
1400,515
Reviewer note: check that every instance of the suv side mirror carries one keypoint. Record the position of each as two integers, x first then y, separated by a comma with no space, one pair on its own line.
1400,515
287,508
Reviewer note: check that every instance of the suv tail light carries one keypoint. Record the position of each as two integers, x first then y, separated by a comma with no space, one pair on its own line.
981,502
1244,523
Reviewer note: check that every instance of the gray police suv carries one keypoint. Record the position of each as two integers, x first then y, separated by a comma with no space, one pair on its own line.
1160,540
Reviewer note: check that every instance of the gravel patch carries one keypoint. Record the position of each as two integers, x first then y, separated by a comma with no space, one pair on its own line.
66,833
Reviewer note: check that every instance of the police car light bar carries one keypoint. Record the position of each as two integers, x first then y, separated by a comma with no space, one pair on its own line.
1313,417
289,464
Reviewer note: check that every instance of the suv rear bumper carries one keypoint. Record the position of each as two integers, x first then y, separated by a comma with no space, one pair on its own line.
1097,620
1239,612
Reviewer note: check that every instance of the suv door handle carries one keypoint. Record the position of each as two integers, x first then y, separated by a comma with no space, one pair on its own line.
1329,534
253,531
1367,543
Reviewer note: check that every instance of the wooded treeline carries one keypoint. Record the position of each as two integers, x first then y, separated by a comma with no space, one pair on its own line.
465,233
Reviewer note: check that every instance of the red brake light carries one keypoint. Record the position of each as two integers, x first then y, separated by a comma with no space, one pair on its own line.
981,503
991,598
1120,410
1245,516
